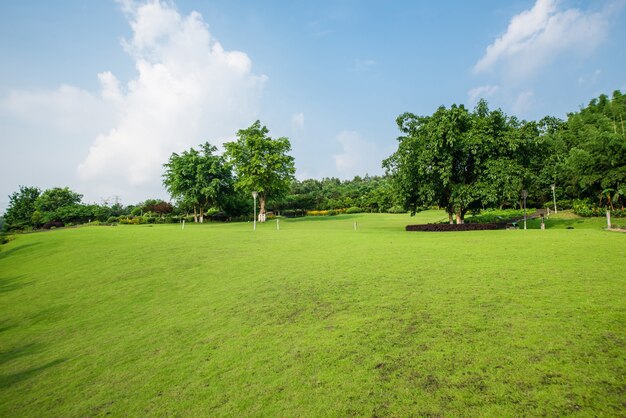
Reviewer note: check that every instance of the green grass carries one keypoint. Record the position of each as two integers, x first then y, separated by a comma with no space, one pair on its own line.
316,319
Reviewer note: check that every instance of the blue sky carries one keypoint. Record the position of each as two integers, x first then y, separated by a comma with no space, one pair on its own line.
96,95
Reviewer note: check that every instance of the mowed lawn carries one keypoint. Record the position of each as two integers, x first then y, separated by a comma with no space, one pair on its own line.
316,319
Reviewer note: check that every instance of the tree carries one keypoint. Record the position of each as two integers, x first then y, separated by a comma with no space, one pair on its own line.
21,208
261,164
457,160
59,204
198,179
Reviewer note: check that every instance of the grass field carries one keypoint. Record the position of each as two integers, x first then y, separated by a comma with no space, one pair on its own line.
316,319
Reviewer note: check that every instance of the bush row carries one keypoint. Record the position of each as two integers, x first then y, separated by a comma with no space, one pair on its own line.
455,227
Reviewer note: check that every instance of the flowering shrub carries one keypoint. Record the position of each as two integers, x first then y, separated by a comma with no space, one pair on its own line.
330,212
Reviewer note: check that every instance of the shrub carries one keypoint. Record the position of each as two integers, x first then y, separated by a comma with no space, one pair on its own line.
456,227
112,219
396,209
354,209
498,215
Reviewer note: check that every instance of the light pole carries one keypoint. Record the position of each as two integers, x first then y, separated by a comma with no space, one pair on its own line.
553,186
254,195
524,196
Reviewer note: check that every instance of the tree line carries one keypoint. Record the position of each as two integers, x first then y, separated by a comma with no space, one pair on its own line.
457,159
465,161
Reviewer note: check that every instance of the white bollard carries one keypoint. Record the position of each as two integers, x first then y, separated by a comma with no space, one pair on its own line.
355,225
277,224
183,224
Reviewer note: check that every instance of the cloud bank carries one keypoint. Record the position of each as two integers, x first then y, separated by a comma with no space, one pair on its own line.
187,89
535,37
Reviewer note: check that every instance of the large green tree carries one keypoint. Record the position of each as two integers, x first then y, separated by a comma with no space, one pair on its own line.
21,208
199,179
456,159
261,164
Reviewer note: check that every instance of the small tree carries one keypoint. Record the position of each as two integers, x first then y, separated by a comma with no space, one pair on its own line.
19,214
261,164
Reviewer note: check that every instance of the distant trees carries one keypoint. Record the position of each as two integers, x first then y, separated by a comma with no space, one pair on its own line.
261,164
595,163
466,161
198,179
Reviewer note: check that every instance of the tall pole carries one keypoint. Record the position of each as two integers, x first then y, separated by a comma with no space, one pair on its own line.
524,195
554,196
254,195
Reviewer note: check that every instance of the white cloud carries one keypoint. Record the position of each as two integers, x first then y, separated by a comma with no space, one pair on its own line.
358,156
187,90
481,92
297,120
536,36
67,109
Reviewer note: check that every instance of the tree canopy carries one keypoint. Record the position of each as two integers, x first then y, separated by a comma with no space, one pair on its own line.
261,164
456,159
199,179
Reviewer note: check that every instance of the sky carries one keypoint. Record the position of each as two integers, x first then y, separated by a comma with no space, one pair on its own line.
96,95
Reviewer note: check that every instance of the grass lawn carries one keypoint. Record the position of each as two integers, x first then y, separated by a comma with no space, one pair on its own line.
316,319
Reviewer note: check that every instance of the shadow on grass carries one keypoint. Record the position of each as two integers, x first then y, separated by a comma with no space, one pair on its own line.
11,251
14,353
11,379
8,284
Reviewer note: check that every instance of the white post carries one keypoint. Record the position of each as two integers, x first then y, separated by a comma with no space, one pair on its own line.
254,195
183,224
554,196
355,225
277,224
524,195
608,219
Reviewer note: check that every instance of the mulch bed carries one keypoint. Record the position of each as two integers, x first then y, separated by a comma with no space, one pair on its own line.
455,227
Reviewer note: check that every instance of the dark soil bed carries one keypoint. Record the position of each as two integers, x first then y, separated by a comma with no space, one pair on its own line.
455,227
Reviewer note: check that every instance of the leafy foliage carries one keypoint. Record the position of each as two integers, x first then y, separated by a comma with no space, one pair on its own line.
261,163
21,208
457,160
198,179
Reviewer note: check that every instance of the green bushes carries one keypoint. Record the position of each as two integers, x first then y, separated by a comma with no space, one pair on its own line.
354,209
587,209
501,215
396,209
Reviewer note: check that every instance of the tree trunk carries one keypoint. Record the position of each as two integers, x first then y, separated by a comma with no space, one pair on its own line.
261,217
459,221
201,215
195,214
450,218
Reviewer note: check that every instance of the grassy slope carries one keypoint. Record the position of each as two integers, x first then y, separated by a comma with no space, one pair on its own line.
314,319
